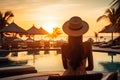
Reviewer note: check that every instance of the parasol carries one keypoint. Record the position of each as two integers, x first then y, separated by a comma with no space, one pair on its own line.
108,29
13,28
42,31
33,30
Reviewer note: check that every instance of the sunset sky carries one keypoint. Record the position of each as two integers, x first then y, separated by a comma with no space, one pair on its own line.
53,13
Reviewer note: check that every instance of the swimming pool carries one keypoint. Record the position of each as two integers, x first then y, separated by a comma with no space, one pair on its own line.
53,62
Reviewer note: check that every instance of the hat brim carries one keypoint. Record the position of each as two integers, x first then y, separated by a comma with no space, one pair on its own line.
76,33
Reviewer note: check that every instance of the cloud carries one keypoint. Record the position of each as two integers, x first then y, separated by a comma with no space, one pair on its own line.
20,4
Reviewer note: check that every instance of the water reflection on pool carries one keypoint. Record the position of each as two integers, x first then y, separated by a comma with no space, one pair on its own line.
53,62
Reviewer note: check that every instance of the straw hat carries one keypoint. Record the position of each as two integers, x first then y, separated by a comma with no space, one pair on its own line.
75,26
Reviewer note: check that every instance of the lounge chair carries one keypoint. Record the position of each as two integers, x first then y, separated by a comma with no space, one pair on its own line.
116,47
111,76
94,76
110,43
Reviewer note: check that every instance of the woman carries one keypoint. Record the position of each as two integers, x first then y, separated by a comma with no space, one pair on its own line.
76,52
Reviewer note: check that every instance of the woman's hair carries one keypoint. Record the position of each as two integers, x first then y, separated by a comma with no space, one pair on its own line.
76,51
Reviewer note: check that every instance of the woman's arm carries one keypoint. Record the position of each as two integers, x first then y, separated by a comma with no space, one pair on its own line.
90,58
64,60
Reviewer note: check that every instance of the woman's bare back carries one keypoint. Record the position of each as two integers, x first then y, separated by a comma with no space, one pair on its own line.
82,68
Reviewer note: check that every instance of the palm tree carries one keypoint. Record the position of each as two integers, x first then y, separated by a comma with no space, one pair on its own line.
4,20
56,32
113,9
112,16
96,35
116,5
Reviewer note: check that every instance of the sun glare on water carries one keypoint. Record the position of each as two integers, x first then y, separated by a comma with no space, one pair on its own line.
49,27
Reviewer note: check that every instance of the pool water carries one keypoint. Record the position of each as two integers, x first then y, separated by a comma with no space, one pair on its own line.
53,61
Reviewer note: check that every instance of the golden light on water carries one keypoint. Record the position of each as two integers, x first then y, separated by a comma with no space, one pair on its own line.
53,61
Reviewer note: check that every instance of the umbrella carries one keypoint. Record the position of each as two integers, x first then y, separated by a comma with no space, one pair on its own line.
108,29
42,31
33,30
13,28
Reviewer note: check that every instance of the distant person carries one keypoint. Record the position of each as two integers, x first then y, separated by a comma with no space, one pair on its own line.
76,52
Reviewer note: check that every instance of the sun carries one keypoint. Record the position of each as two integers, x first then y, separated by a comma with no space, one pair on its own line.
49,26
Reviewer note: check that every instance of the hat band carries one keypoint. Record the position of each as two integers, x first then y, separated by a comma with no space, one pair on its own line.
76,28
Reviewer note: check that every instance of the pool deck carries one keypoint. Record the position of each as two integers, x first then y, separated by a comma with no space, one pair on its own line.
44,75
107,50
94,49
16,70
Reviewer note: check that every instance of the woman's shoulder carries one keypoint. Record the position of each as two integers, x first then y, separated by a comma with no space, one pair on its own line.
87,44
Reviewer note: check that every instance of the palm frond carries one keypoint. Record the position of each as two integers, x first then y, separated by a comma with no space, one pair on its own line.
115,3
1,15
101,17
118,12
113,11
108,11
7,15
118,20
1,20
